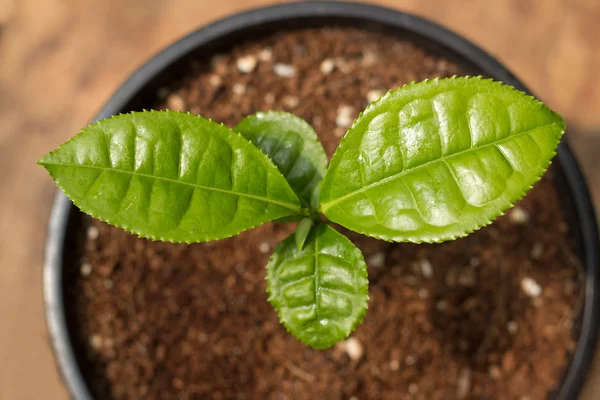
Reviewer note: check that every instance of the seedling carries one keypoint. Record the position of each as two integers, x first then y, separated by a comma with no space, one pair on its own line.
429,162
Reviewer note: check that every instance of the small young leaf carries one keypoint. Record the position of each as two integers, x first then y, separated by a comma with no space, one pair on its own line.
293,146
170,176
321,291
302,232
436,160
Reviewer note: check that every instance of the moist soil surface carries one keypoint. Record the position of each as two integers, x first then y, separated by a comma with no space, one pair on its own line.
489,316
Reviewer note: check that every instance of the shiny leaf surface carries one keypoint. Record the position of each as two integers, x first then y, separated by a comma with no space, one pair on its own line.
302,231
170,176
321,291
293,146
436,160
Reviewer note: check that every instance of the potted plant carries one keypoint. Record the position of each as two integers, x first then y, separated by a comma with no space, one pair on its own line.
351,194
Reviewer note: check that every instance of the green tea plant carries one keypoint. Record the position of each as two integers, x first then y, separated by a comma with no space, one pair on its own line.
429,162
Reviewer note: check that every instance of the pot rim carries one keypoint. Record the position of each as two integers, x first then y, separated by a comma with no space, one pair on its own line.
368,14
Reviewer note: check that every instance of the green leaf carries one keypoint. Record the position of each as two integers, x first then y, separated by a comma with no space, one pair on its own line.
321,291
293,146
171,176
302,232
436,160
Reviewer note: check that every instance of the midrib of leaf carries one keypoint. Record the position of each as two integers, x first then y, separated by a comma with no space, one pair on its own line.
289,206
317,273
443,158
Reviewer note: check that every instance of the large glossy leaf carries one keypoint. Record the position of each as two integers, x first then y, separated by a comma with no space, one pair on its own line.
321,291
293,146
170,176
435,160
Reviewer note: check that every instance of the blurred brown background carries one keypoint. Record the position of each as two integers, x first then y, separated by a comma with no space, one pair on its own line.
61,59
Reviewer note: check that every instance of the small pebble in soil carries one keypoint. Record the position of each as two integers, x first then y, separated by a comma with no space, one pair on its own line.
218,63
264,247
239,89
86,269
96,342
512,327
537,251
410,360
215,80
426,268
344,117
92,232
423,293
376,260
467,278
265,54
353,348
339,132
441,305
108,284
342,65
327,66
394,365
269,98
178,383
202,337
474,262
413,388
373,95
531,287
463,385
495,372
246,64
175,102
284,70
519,216
290,101
369,58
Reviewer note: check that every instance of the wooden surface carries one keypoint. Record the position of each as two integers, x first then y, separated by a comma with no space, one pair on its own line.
61,59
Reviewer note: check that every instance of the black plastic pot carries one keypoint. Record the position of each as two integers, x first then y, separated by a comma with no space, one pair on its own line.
138,91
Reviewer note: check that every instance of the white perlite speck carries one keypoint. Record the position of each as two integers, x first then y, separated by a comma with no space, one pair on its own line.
373,95
512,327
531,287
284,70
92,232
394,365
264,247
423,293
353,348
519,216
86,269
344,118
246,64
410,360
327,66
537,250
426,268
376,260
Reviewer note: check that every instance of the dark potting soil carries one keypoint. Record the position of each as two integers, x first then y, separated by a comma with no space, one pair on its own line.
489,316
